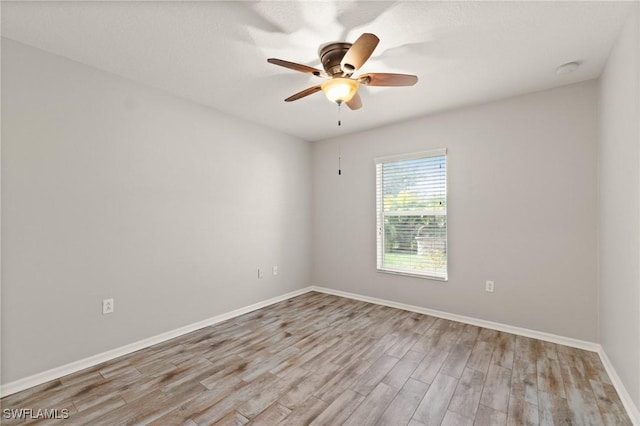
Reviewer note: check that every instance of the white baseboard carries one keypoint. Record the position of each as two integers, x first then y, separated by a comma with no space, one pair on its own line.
553,338
56,373
632,410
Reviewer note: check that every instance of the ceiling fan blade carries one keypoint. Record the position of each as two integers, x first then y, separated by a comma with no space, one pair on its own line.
355,102
296,67
387,79
306,92
359,52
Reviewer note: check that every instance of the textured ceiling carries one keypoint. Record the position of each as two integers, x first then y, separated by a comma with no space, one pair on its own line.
215,52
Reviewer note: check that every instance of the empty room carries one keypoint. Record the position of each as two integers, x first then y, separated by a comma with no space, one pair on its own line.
320,212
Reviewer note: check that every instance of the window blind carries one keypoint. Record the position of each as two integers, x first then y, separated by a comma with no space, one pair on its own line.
411,211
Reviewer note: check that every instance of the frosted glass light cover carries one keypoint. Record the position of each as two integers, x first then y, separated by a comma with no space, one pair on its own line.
340,89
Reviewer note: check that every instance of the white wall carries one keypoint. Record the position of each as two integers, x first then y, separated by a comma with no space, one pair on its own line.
522,211
619,206
112,189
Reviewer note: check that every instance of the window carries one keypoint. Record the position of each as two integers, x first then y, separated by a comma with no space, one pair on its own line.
411,207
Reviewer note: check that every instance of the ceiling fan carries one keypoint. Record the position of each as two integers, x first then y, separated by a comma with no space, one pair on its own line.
340,60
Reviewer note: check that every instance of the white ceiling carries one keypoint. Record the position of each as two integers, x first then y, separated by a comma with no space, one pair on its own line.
215,52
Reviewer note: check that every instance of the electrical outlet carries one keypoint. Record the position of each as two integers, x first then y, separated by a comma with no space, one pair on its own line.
107,306
489,286
260,273
275,270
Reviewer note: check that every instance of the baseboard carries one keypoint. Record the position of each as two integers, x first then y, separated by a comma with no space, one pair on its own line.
553,338
632,410
56,373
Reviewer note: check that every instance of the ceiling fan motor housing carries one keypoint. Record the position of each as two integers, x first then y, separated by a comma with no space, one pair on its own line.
331,55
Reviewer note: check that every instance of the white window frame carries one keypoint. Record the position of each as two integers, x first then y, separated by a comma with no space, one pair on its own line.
380,214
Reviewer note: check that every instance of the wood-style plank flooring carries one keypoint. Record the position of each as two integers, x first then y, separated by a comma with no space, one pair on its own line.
325,360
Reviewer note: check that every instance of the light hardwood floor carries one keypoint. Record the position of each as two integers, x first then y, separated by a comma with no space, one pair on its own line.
326,360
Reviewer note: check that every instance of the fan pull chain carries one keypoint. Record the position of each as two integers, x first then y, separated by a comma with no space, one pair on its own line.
339,121
339,161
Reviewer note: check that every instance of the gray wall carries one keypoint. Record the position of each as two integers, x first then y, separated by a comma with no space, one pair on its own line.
619,206
112,189
522,211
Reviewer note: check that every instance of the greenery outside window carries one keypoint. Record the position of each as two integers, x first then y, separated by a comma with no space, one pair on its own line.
411,207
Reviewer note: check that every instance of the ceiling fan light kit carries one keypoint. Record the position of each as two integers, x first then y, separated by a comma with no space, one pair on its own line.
340,60
340,89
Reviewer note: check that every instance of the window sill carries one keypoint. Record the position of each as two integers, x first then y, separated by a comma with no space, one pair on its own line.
409,274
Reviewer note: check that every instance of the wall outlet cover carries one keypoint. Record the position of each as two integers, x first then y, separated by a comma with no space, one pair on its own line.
107,306
489,286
